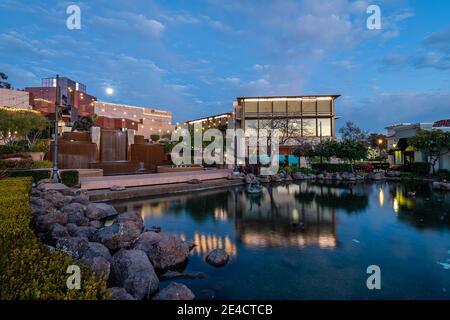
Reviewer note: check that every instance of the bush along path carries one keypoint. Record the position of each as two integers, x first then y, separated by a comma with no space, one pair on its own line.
115,246
28,269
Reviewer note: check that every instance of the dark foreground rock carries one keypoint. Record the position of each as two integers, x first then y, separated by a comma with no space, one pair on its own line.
72,246
120,294
175,291
217,257
164,250
118,235
100,211
131,270
99,265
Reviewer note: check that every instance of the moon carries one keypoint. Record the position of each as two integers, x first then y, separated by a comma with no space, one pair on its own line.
109,91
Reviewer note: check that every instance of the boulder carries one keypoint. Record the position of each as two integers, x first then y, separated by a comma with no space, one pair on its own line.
78,219
82,199
174,291
119,294
99,265
164,250
217,257
58,187
264,179
130,217
298,176
118,235
56,231
43,223
74,207
95,249
56,199
97,224
72,246
131,270
80,231
99,211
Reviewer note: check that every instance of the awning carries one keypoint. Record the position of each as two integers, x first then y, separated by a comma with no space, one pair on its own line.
401,145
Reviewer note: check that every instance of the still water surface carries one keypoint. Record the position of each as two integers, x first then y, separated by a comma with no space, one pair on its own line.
312,241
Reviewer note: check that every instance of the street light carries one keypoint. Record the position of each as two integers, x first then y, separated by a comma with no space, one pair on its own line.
55,176
379,141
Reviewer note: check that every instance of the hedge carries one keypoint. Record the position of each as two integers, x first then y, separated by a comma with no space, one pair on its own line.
25,164
28,270
69,177
421,168
332,167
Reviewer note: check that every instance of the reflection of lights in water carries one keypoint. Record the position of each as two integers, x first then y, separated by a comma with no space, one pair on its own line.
396,206
151,210
295,215
381,197
220,214
300,240
206,243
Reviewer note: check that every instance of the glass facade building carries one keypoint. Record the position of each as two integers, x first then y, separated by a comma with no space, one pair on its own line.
297,117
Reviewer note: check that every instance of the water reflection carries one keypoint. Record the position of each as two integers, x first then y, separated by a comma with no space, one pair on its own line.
416,204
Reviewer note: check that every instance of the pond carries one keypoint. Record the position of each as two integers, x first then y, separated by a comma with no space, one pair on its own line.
312,240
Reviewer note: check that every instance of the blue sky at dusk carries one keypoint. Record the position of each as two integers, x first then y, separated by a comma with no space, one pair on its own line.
195,57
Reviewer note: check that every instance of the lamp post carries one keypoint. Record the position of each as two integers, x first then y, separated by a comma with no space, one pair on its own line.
380,141
55,176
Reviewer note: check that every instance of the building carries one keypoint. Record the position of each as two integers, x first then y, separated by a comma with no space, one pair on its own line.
14,99
308,118
145,121
219,121
401,153
73,96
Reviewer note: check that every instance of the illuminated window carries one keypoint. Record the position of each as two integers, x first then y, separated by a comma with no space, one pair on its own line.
251,127
324,127
309,128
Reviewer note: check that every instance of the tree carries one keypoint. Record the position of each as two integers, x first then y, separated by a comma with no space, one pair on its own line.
435,143
305,150
154,137
18,124
350,150
3,83
352,132
84,123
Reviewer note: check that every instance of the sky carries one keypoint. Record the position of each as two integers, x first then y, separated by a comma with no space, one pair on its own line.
195,57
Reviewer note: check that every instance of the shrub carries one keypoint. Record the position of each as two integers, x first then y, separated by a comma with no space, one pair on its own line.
443,174
11,148
332,167
293,169
27,269
70,177
41,146
421,168
154,137
24,164
41,164
36,175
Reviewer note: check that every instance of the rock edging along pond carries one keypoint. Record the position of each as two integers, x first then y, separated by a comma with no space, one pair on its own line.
115,246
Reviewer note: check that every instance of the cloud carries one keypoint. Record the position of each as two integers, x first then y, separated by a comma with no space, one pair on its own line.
127,21
383,109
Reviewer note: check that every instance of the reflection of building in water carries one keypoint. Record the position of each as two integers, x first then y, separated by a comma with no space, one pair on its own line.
287,216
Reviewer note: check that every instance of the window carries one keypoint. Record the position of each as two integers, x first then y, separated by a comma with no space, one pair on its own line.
251,127
309,128
309,106
294,106
324,106
324,127
295,127
251,106
279,106
265,107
